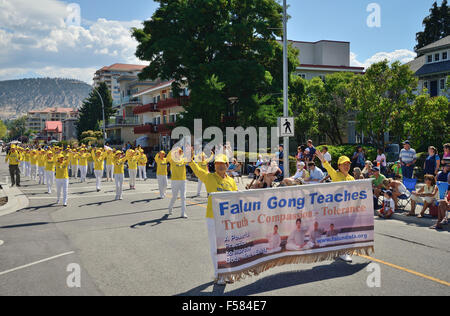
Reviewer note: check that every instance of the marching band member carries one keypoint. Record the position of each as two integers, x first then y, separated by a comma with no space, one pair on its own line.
142,163
33,162
178,180
132,158
27,162
109,165
42,158
62,177
218,181
161,173
73,155
49,170
119,162
98,157
83,163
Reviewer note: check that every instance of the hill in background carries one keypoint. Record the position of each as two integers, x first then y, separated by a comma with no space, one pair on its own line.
17,97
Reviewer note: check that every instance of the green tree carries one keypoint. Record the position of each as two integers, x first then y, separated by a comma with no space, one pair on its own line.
17,127
91,111
328,97
427,123
436,25
220,49
381,97
3,130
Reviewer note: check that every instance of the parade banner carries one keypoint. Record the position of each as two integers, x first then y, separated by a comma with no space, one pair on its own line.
260,229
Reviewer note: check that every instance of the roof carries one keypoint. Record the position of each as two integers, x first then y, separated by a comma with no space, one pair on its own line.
417,63
434,68
164,84
443,42
330,41
55,110
53,126
330,66
123,67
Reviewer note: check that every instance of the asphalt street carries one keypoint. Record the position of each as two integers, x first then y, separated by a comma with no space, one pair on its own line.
132,247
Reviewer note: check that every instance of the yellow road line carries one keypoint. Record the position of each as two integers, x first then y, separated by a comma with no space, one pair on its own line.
407,270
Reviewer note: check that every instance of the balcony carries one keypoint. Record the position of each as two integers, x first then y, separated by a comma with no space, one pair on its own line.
165,128
172,102
151,107
122,122
144,129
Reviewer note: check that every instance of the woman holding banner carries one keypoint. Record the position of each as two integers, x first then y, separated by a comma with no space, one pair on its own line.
218,181
343,174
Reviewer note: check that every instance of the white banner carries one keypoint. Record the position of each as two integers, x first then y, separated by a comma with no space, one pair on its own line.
260,229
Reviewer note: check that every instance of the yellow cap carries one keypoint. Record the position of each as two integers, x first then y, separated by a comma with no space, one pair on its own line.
221,158
343,159
162,152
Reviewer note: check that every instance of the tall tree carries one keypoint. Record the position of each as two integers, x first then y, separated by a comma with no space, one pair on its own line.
328,98
17,127
220,49
436,25
91,110
381,96
3,130
427,122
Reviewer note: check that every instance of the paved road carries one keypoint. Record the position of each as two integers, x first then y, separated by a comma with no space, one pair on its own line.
132,247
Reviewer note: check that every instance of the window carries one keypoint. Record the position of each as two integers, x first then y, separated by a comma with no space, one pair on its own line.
442,84
425,84
444,56
436,57
303,76
429,58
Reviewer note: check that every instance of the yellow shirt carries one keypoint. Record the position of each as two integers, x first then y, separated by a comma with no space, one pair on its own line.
132,162
73,158
213,183
62,172
42,159
161,166
109,158
13,158
34,158
26,157
336,176
83,159
142,161
98,161
177,168
119,165
50,164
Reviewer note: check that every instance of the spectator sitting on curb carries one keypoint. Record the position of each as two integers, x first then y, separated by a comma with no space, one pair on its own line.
426,195
388,206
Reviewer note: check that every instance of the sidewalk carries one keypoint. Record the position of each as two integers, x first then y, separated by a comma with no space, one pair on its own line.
17,200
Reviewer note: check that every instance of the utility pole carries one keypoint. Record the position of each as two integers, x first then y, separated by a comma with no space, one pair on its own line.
285,89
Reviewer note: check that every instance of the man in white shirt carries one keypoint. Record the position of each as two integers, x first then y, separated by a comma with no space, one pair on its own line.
296,240
315,174
274,241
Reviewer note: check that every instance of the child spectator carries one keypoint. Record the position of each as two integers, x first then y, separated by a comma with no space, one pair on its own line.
388,206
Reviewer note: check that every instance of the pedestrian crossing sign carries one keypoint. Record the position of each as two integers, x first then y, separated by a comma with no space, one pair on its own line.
286,126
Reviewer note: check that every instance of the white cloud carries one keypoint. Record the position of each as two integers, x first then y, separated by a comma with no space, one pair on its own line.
34,38
402,55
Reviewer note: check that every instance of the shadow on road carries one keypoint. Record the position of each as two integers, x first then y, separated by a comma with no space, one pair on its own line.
155,222
283,280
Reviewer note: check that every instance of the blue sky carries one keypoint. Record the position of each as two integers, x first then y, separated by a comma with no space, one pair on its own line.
38,44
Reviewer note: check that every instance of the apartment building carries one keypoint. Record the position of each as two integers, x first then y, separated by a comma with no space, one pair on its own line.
158,114
111,74
318,59
37,121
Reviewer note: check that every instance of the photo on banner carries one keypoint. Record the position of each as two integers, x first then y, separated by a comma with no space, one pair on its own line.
260,229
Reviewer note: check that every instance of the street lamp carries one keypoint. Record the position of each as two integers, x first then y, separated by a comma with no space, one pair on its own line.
103,112
285,89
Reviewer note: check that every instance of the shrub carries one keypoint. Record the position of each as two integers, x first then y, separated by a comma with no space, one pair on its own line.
348,150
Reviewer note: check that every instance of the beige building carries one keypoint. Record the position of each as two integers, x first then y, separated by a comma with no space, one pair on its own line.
36,120
111,74
318,59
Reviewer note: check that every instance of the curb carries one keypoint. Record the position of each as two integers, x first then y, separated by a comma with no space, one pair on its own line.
17,200
426,221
